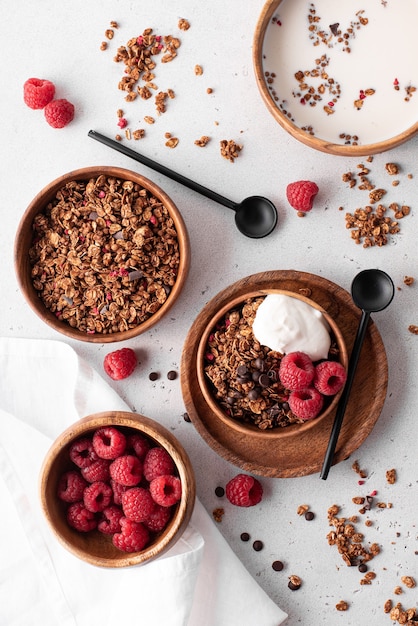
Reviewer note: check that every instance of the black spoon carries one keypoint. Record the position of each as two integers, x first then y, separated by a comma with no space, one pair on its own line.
255,216
372,291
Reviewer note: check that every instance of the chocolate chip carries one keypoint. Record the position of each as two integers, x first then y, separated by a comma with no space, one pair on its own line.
362,568
264,380
258,545
334,28
220,492
294,583
242,370
277,566
260,364
272,374
172,375
253,394
245,537
309,515
186,417
153,376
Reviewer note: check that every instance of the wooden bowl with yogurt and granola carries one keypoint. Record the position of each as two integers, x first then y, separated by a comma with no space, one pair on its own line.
101,254
271,363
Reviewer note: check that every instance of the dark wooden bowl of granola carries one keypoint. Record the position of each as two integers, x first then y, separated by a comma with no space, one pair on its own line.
58,493
101,254
256,404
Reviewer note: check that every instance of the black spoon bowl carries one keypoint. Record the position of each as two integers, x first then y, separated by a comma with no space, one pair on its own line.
372,291
255,216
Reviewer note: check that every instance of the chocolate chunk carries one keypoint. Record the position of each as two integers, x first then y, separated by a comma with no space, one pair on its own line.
186,417
154,376
253,394
362,568
309,515
172,375
277,566
264,380
245,537
242,371
220,492
334,28
258,545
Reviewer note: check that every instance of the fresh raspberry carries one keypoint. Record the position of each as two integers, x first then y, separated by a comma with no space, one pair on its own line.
330,377
244,490
82,452
71,486
120,363
296,371
133,537
139,444
97,496
137,504
301,194
118,491
165,490
59,113
110,520
158,519
37,92
157,462
81,518
306,404
126,470
109,442
98,470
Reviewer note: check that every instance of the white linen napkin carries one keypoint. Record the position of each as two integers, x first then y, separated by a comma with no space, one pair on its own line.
45,387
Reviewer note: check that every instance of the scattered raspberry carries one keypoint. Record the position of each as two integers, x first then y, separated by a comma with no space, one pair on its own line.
301,195
37,92
306,404
59,113
133,537
118,491
139,444
82,453
109,442
120,363
71,486
137,504
296,371
110,521
165,490
81,518
98,470
126,470
97,496
158,519
330,377
157,462
244,490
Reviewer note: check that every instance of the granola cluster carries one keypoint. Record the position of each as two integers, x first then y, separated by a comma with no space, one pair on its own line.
349,542
105,254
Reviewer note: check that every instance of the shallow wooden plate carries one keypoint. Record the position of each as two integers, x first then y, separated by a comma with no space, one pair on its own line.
302,454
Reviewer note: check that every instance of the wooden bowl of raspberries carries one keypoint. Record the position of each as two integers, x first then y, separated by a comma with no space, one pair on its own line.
117,489
101,254
254,385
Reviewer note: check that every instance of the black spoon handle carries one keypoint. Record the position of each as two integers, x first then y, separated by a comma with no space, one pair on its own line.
339,416
154,165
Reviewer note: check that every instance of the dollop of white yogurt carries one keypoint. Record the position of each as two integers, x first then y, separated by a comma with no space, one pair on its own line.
286,324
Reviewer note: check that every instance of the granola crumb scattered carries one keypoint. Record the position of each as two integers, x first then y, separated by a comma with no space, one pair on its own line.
342,605
295,582
183,24
302,509
202,142
398,591
387,607
172,142
209,90
413,328
218,514
408,581
392,169
103,45
391,476
229,149
198,70
408,280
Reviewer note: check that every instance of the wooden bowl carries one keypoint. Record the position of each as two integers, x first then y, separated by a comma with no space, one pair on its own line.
243,428
23,267
400,121
94,547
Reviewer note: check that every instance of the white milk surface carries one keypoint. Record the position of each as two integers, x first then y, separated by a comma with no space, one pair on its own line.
383,51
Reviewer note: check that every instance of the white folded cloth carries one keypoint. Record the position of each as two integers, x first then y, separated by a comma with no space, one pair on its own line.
45,387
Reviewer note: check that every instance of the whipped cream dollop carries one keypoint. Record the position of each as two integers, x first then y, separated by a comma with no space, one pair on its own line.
286,324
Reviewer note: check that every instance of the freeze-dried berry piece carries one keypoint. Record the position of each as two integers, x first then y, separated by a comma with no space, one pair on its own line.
244,490
306,404
137,504
133,537
110,520
97,496
59,113
120,363
158,462
330,377
37,92
126,470
158,519
118,491
82,452
139,444
301,195
109,442
296,371
98,470
80,518
71,486
166,490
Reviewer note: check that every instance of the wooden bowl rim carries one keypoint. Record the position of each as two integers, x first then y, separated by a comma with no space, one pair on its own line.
313,142
274,433
22,239
158,433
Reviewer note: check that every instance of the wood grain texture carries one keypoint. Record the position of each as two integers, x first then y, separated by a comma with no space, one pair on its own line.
302,454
